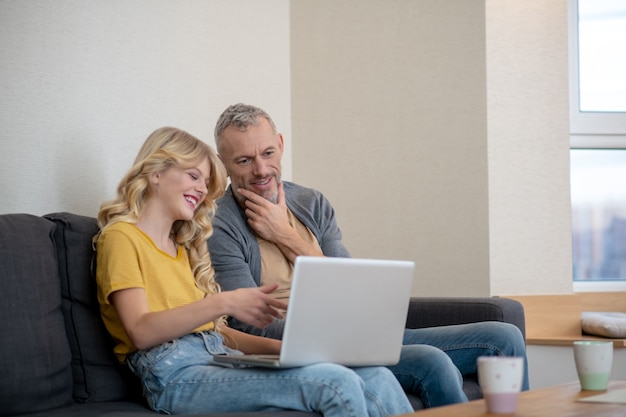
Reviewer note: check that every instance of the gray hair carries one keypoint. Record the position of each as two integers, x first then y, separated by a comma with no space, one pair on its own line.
241,116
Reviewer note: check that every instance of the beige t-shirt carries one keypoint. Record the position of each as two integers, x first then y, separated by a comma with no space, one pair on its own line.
275,267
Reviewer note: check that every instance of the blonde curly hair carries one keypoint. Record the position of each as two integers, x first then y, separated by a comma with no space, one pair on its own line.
164,148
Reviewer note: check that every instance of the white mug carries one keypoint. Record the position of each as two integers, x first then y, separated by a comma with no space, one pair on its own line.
500,378
593,359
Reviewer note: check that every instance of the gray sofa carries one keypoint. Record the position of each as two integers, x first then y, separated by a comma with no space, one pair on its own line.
57,357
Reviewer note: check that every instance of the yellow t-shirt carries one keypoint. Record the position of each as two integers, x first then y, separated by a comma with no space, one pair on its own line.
128,258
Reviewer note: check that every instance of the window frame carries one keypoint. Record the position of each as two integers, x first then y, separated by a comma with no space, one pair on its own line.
590,130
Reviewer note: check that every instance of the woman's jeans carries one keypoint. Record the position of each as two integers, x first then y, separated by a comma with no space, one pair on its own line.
181,377
434,359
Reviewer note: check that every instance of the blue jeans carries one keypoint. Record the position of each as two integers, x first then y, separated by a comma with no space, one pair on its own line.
434,360
180,377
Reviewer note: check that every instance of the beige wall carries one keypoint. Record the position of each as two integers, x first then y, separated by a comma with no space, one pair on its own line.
438,128
439,131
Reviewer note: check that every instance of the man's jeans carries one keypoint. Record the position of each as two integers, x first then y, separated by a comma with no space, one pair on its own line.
180,377
434,359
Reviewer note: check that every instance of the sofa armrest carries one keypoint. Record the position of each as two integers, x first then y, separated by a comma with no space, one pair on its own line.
442,311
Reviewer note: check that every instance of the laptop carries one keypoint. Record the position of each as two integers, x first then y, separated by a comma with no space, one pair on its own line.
342,310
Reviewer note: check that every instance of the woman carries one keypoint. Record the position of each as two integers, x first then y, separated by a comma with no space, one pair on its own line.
159,300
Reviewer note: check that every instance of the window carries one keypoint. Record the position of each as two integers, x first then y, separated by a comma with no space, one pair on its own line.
597,67
602,33
599,213
598,142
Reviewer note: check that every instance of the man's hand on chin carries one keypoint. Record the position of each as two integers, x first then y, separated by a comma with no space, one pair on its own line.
270,221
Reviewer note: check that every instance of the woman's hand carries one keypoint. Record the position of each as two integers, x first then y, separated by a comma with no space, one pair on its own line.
146,329
254,306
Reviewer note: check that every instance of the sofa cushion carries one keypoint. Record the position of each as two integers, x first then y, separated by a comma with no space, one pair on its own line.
98,376
35,360
605,324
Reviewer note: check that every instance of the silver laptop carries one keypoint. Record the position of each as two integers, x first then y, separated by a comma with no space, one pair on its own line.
342,310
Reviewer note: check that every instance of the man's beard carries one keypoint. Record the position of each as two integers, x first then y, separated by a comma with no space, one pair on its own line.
271,196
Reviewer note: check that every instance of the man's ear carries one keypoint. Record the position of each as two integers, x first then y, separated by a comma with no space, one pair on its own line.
224,164
281,141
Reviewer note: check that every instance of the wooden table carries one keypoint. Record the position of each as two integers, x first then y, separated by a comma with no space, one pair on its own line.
558,401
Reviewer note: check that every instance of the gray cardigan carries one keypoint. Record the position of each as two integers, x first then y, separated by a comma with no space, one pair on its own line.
235,252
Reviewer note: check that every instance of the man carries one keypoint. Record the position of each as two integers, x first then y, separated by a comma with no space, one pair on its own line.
262,223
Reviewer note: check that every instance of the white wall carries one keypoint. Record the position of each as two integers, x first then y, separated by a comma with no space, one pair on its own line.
84,82
530,236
